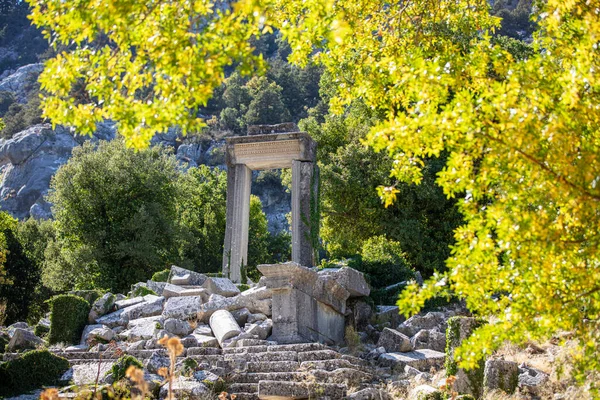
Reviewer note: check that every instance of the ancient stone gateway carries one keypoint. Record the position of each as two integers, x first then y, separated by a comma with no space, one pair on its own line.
295,150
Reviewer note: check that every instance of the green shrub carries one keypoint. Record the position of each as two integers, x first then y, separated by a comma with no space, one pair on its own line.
189,367
161,276
120,367
41,330
69,317
32,370
142,291
243,287
88,295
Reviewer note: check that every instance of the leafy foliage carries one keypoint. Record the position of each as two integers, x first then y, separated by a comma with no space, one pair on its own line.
161,276
120,367
69,317
32,370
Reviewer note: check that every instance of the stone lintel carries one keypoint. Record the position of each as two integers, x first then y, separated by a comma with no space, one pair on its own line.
270,151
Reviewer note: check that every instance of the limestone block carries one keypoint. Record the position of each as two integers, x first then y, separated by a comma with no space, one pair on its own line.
156,362
241,316
195,278
86,332
214,304
178,327
185,307
431,320
139,345
277,390
143,330
156,319
85,374
252,318
156,287
394,341
367,394
23,339
189,341
181,279
501,374
429,339
423,360
119,304
390,314
103,333
260,330
152,305
530,377
101,306
223,325
222,286
353,280
203,329
185,388
205,341
171,290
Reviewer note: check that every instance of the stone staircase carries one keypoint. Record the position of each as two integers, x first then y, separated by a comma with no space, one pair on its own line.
260,369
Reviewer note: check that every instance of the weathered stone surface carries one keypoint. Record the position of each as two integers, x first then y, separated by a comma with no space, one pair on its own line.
85,374
277,390
101,306
152,305
354,281
186,307
252,318
16,83
195,278
205,341
359,313
156,287
156,361
530,377
394,341
502,375
368,394
423,360
203,329
23,339
215,303
181,280
429,339
425,392
467,382
389,314
17,325
102,333
178,327
184,388
224,325
241,316
142,330
171,290
431,320
222,286
128,302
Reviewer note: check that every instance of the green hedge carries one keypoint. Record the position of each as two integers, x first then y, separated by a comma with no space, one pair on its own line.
32,370
88,295
161,276
120,367
41,330
69,317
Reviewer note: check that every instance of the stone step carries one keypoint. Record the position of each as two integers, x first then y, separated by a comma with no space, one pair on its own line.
332,365
298,347
254,342
318,355
243,388
255,377
202,351
246,396
265,356
277,390
272,366
242,350
349,376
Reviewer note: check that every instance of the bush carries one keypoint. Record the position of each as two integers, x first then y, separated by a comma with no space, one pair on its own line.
3,342
88,295
120,367
140,291
69,317
32,370
161,276
383,261
41,330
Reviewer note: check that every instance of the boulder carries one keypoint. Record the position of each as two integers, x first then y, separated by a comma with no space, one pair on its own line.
423,360
16,83
530,377
85,335
23,339
152,305
142,329
128,302
156,362
222,286
394,341
354,281
224,325
429,339
102,333
501,375
17,325
205,341
156,287
178,327
101,306
241,316
431,320
389,314
185,307
171,290
203,329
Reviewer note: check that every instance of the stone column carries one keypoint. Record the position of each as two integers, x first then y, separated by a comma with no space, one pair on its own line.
305,205
235,250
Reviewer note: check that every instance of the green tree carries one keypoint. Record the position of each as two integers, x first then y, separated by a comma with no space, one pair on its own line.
116,214
267,105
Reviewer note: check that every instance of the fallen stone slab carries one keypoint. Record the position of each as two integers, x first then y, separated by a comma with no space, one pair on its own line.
87,373
394,341
141,330
119,304
277,390
422,359
429,339
156,287
151,306
86,332
222,286
101,306
224,325
185,307
205,341
112,320
171,290
178,327
102,333
203,329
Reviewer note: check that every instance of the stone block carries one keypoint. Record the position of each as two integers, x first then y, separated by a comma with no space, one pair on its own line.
502,375
353,280
185,307
86,332
222,286
102,333
203,329
178,327
101,306
423,360
23,339
277,390
205,341
241,316
429,339
471,381
195,278
156,287
152,305
224,325
119,304
394,341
